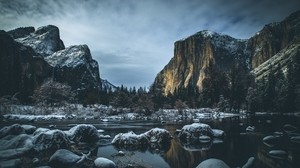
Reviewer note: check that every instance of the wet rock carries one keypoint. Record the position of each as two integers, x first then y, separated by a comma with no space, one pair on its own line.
64,158
104,163
250,129
212,163
11,163
295,139
249,163
191,133
50,140
83,133
272,140
288,128
278,154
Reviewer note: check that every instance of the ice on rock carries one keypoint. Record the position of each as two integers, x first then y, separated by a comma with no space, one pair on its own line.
64,158
104,163
212,163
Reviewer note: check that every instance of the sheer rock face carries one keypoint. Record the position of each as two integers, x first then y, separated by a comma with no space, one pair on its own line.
75,66
273,38
28,57
21,69
45,40
196,55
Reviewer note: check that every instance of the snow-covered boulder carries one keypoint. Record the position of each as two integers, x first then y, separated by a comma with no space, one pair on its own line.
159,136
29,129
192,132
15,146
278,154
83,133
64,158
50,140
39,130
14,129
104,163
213,163
130,140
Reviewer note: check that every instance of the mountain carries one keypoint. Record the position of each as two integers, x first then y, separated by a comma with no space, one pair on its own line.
107,86
215,65
29,57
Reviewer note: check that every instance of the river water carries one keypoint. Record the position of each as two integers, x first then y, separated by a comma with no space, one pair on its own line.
235,150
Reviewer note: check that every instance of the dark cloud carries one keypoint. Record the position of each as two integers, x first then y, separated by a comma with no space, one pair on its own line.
133,39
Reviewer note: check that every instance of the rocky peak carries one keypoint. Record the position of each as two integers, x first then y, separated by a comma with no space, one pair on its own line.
45,40
75,66
21,32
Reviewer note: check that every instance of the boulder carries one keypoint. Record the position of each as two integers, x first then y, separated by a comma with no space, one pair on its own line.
64,158
212,163
249,163
29,129
39,130
191,133
104,163
278,154
14,129
50,140
272,140
83,133
130,140
21,32
158,135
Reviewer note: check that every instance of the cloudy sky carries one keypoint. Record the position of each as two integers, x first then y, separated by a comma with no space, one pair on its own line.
132,40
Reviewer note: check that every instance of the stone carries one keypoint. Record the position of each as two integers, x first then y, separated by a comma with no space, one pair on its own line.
64,158
249,163
278,154
212,163
192,132
272,140
83,133
104,163
14,129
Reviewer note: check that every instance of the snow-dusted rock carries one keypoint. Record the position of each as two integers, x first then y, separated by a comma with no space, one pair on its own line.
278,154
45,40
249,163
130,140
64,158
104,163
50,140
83,133
218,133
158,135
39,130
272,140
14,129
212,163
29,129
15,146
192,132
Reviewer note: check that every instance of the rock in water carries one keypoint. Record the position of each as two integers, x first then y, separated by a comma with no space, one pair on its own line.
212,163
83,133
104,163
158,135
272,140
64,158
130,140
289,128
278,154
194,131
250,163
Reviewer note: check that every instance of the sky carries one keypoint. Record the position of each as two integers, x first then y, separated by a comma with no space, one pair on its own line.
133,40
